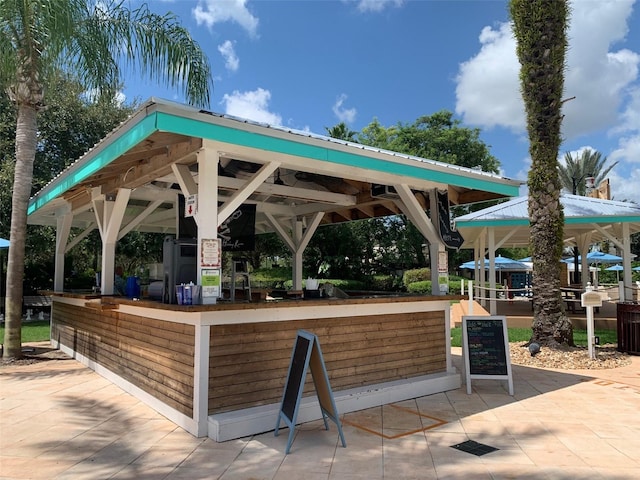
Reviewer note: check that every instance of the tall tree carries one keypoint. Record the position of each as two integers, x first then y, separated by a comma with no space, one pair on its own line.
540,28
439,137
590,163
88,39
342,132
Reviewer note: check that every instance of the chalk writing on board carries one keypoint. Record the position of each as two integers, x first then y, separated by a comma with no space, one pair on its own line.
486,347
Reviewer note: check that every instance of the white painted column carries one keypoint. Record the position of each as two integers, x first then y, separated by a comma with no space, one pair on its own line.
201,378
493,307
481,280
626,262
296,226
207,212
113,213
63,228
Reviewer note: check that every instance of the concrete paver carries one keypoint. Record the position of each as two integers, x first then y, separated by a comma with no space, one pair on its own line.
60,420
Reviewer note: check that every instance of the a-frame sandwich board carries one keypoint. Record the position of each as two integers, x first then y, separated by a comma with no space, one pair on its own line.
306,353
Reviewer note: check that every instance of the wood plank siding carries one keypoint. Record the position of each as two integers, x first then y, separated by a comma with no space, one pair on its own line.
249,362
155,355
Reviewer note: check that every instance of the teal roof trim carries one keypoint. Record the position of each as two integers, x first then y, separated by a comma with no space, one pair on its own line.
518,222
187,126
509,222
608,219
113,150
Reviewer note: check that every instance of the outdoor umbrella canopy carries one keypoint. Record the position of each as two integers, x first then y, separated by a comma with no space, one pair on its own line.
616,268
4,243
636,268
501,263
598,257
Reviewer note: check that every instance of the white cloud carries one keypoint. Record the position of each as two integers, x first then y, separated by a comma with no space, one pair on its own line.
252,105
377,5
625,188
210,12
93,94
628,150
347,115
231,61
488,91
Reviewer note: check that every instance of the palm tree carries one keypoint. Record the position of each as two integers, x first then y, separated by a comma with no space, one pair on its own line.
342,132
588,164
540,28
87,39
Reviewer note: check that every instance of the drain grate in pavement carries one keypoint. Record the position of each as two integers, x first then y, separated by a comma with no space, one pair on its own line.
474,448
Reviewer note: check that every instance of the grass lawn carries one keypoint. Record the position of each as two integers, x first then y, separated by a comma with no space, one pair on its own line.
36,331
524,334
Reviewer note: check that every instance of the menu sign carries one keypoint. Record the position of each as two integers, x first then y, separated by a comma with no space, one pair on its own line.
450,237
486,349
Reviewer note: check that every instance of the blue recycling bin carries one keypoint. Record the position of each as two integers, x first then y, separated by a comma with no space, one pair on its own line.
132,288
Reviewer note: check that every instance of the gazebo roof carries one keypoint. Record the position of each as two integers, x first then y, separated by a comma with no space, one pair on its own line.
156,150
510,220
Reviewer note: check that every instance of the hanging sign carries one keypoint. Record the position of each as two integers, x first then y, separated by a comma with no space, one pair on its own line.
450,237
238,232
191,205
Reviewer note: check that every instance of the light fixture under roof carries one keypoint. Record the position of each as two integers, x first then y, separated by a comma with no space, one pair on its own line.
278,180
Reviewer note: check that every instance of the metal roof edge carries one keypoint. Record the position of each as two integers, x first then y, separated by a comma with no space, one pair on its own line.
353,155
146,120
136,127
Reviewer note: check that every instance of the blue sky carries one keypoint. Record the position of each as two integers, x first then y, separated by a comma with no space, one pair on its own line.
310,64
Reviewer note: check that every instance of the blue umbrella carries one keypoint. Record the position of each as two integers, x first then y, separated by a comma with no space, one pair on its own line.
615,268
4,243
598,257
636,268
501,263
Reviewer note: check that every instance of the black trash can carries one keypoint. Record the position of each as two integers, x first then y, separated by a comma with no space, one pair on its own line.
628,316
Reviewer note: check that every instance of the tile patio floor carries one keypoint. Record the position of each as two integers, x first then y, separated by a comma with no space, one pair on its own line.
60,420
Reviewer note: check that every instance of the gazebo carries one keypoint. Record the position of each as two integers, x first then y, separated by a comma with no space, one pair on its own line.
587,221
217,368
140,176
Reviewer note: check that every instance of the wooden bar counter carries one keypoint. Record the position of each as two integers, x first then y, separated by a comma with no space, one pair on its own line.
219,370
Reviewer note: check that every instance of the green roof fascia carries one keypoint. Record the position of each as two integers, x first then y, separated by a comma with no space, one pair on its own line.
518,222
509,222
607,219
197,128
109,153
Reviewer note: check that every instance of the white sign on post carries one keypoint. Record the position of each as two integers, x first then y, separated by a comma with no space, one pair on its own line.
588,300
190,205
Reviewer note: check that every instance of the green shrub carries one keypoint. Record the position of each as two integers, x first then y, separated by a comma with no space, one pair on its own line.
383,283
423,287
416,275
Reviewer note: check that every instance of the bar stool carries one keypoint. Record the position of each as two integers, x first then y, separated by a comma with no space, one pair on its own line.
239,271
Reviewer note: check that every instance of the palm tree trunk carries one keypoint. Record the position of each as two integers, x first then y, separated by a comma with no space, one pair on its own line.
540,30
26,141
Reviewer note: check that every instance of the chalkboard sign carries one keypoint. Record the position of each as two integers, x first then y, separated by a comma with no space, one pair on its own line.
485,343
295,381
306,353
